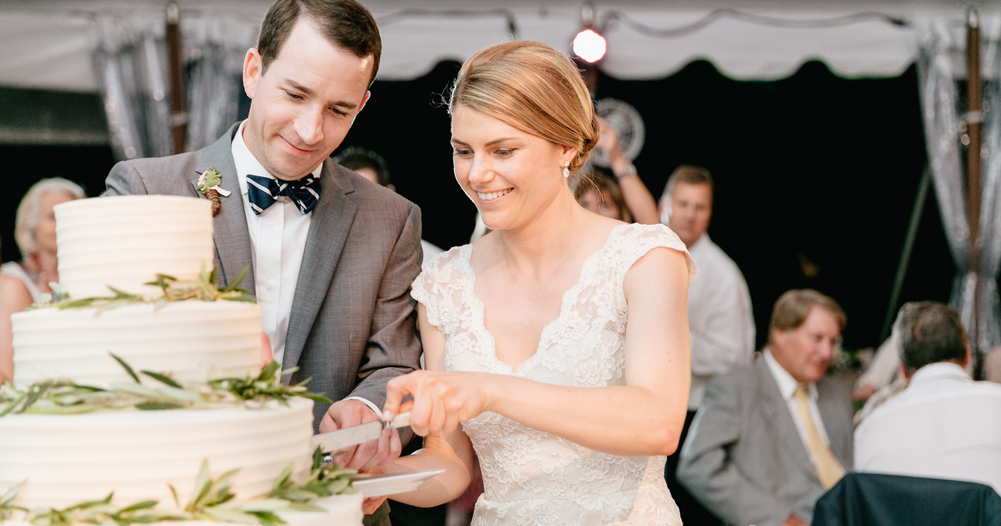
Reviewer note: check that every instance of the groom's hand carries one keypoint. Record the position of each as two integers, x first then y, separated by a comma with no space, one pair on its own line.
347,413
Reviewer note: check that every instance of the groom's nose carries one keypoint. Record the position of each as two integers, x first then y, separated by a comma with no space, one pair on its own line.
309,125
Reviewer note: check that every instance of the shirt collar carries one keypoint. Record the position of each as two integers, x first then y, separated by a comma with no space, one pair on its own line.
787,384
246,163
939,371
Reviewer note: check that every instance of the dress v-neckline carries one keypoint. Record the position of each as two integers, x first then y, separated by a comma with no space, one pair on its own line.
480,308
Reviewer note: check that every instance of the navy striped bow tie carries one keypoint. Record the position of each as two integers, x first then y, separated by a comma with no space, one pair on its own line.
264,191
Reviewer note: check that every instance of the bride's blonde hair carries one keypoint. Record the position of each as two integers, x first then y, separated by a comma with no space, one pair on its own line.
534,88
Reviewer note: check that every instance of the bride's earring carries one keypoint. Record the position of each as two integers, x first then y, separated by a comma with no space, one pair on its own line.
566,169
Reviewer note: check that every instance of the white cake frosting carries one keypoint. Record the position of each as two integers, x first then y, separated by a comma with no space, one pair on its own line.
195,340
68,459
124,242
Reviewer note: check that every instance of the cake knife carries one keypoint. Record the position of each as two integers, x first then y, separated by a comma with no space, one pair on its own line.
354,435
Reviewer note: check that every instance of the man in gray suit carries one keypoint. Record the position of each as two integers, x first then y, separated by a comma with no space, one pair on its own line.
771,437
331,255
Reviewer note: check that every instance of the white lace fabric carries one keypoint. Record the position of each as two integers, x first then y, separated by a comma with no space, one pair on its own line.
536,478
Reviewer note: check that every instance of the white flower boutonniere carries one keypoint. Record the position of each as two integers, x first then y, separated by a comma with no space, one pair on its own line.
208,185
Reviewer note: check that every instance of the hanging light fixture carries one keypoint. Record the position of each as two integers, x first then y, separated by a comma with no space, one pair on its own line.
589,44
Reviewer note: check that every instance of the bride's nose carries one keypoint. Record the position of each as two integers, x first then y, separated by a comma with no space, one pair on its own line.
480,170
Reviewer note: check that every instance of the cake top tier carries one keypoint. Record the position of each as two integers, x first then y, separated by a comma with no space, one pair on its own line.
124,242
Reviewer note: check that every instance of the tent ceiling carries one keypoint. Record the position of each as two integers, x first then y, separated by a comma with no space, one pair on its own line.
48,43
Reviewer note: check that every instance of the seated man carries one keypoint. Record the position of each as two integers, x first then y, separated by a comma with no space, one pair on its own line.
944,425
771,437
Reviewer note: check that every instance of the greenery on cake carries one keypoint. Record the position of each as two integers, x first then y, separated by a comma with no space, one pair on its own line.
204,288
211,499
67,397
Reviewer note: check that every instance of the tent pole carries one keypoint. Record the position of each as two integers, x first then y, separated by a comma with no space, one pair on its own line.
178,112
905,256
973,174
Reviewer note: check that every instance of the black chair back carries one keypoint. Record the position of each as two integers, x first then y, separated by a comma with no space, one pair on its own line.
870,499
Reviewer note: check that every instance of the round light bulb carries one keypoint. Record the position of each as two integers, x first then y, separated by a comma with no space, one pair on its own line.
589,46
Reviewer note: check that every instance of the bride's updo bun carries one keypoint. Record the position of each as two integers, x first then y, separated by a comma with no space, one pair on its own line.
534,88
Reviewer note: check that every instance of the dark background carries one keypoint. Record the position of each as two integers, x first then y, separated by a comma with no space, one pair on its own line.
812,169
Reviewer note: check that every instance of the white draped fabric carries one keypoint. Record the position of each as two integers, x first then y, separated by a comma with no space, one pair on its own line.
48,44
941,66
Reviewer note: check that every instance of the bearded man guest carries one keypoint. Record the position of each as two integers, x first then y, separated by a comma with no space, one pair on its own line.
771,437
331,256
720,319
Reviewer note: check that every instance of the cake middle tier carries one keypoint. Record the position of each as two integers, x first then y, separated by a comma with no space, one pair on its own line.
69,459
191,340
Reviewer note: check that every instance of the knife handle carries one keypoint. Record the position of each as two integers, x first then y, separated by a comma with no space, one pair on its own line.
401,420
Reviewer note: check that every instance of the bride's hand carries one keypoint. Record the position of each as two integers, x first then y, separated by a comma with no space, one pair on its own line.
441,400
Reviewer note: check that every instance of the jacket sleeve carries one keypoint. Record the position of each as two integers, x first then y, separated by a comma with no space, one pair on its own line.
707,467
393,348
124,179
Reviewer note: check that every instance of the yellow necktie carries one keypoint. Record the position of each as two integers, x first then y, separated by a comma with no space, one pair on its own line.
828,469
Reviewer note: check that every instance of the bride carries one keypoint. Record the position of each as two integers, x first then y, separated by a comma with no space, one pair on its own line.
557,345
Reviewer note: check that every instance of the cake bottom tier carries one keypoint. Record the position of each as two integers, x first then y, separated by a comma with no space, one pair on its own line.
69,459
342,510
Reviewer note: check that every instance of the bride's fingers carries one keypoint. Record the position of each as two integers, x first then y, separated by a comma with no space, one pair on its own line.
420,413
396,389
438,413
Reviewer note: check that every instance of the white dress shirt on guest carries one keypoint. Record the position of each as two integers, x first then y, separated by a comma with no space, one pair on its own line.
944,425
278,242
787,387
720,319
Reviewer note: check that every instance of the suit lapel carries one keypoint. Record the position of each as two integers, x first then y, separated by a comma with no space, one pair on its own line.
231,234
328,231
777,411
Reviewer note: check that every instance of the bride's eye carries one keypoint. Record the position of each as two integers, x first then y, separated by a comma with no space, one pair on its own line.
503,153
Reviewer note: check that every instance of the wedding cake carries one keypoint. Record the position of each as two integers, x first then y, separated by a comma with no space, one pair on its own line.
112,248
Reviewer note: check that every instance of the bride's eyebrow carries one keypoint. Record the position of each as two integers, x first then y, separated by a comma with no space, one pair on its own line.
502,139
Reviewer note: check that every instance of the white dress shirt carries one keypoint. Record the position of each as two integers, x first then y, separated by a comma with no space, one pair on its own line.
944,425
278,242
787,386
720,320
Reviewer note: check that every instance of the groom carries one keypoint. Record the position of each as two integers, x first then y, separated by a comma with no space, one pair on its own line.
331,255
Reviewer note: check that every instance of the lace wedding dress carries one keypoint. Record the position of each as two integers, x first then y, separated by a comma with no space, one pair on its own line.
535,478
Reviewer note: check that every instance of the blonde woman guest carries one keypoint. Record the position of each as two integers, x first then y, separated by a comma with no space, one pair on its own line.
22,283
557,345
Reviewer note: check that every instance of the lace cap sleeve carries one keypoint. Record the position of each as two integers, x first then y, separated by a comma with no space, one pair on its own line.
640,239
432,285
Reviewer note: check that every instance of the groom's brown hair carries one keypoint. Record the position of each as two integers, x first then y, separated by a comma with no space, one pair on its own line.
345,23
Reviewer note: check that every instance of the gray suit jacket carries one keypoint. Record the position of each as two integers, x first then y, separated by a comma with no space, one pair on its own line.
743,458
352,325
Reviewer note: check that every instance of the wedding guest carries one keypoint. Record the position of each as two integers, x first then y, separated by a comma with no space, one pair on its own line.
22,283
601,195
626,198
720,319
944,425
771,437
567,364
373,167
294,216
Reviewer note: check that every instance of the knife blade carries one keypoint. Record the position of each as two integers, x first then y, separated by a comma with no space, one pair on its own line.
354,435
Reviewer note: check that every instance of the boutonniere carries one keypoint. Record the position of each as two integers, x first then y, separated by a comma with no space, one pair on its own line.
208,185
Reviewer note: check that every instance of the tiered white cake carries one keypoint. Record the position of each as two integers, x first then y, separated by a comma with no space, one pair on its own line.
67,459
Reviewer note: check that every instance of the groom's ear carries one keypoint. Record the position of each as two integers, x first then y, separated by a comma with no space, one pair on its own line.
252,71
